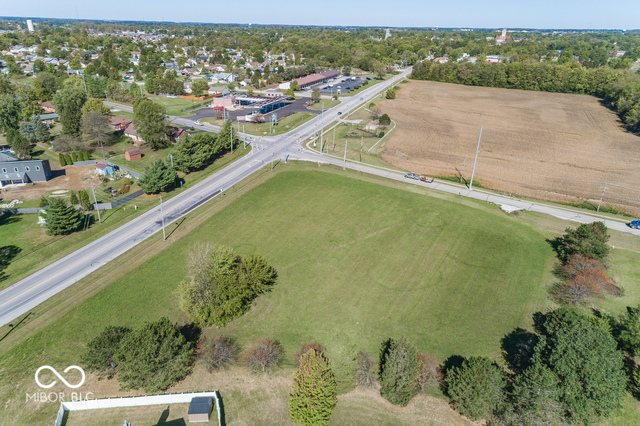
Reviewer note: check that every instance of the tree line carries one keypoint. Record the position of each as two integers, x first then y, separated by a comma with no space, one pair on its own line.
618,88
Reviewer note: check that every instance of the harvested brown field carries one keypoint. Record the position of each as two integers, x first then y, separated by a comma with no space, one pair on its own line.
548,146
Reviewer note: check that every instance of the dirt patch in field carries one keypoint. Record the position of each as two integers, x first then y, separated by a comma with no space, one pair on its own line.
548,146
67,178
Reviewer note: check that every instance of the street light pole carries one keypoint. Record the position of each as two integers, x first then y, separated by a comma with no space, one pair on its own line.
322,128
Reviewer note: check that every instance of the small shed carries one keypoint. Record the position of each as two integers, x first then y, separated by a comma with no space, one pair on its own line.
132,154
104,169
200,409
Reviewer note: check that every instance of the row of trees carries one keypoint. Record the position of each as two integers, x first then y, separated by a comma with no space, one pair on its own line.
195,151
620,89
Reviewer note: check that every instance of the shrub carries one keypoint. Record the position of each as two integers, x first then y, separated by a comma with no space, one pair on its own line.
61,159
364,372
74,157
73,199
217,353
127,181
67,159
381,135
123,190
399,376
85,155
262,356
429,373
44,201
586,286
476,388
384,119
304,348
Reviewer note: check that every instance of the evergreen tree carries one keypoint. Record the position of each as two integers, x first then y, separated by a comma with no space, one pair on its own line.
85,155
154,357
74,157
73,199
67,159
399,372
476,388
314,391
194,151
101,351
535,398
83,198
62,219
589,239
157,177
61,159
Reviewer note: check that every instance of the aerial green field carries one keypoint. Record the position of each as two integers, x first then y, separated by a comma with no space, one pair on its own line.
358,263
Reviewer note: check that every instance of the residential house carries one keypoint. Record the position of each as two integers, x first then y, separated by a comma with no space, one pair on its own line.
223,77
176,133
131,132
48,106
119,122
14,171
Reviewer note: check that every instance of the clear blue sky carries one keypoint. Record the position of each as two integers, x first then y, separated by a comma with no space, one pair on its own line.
615,14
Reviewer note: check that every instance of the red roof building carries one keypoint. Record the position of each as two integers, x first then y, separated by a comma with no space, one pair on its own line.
119,122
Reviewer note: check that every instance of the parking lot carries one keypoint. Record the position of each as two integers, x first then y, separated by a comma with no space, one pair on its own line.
343,83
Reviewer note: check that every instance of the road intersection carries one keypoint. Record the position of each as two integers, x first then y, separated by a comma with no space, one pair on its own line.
25,295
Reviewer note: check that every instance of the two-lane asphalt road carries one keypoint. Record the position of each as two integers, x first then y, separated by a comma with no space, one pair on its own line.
26,294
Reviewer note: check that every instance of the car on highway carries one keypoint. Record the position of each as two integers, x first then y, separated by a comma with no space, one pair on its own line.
426,179
199,123
339,112
412,176
635,224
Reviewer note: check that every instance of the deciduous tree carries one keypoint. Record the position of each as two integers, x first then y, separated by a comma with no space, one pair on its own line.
68,103
262,356
149,120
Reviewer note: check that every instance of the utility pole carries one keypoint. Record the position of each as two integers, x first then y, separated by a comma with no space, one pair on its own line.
285,151
231,138
322,128
244,138
85,85
96,201
272,160
361,138
475,161
345,155
164,235
602,196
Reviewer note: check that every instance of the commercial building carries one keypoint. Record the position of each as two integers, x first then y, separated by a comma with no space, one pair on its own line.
317,78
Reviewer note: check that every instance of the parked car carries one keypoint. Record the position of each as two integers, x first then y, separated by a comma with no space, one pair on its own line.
412,176
108,190
339,112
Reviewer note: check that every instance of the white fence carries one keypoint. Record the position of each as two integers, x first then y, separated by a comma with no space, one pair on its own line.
137,401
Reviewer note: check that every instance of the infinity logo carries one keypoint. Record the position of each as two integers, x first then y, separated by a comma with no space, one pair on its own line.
71,367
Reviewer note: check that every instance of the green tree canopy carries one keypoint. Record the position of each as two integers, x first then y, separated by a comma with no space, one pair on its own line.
9,112
69,102
399,366
198,86
194,151
101,351
154,357
157,177
476,388
589,239
314,391
150,123
95,105
590,368
62,219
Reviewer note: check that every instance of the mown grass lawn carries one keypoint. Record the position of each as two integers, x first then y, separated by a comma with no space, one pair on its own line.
358,263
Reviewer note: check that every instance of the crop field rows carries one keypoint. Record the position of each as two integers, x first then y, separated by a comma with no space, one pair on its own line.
548,146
